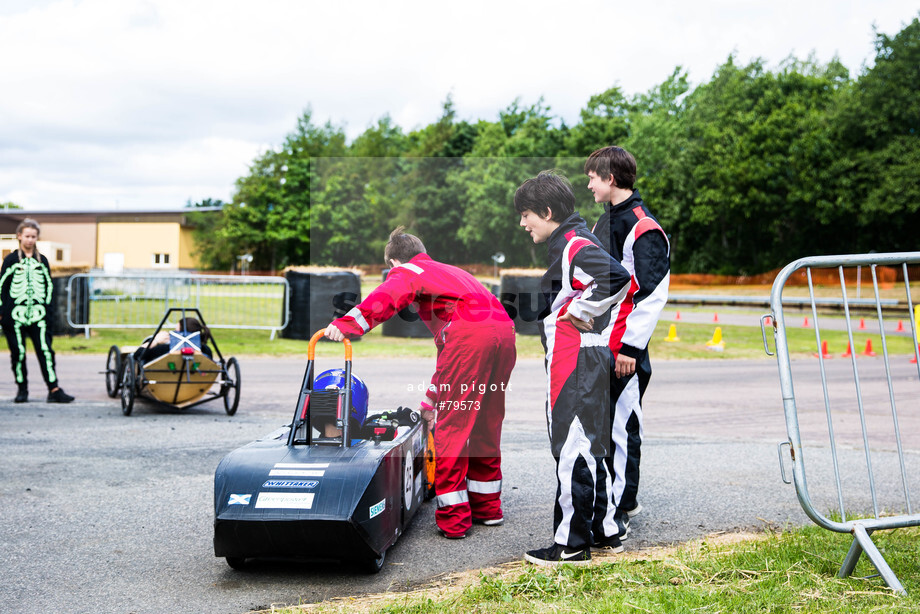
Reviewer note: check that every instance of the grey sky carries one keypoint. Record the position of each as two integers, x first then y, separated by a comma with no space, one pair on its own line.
133,104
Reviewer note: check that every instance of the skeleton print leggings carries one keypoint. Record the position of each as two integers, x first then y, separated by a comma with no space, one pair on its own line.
40,335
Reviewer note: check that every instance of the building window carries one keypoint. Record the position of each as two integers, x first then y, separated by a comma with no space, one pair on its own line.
160,259
59,255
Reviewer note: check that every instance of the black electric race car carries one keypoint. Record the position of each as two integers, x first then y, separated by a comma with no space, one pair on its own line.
334,484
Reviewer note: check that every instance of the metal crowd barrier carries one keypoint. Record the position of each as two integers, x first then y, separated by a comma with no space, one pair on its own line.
863,410
139,301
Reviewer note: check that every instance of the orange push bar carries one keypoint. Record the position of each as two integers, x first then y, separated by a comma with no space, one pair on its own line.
311,350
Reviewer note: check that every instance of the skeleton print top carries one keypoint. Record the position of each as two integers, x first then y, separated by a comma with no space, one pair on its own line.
25,288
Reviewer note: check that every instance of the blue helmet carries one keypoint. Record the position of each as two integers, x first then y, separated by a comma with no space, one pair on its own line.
334,379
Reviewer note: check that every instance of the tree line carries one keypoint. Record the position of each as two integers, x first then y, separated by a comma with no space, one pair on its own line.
746,172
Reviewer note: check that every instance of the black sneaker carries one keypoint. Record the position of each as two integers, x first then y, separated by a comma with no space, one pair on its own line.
558,555
22,395
608,545
59,396
623,524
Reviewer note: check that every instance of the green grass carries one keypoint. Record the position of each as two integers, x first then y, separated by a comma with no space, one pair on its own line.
259,305
741,342
747,342
262,305
788,571
235,342
261,311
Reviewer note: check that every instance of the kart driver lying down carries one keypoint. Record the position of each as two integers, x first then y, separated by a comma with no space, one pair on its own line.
160,345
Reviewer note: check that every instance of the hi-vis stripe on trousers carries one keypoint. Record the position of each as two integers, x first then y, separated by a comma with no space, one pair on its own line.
459,497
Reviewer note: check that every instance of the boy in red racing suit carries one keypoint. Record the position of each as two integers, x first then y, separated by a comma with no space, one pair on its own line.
581,285
466,398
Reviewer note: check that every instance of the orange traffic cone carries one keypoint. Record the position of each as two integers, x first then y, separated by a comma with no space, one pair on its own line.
768,321
677,317
715,317
848,353
862,324
868,351
824,353
914,359
805,322
900,328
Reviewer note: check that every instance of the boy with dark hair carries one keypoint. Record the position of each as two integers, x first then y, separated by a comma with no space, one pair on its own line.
466,398
632,236
581,284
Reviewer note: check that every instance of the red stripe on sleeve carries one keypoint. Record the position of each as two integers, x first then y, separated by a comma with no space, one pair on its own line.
577,246
644,225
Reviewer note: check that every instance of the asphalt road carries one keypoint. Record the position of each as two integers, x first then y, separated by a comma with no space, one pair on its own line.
105,513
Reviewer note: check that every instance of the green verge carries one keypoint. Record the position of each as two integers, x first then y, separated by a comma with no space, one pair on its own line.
741,342
237,342
788,571
747,342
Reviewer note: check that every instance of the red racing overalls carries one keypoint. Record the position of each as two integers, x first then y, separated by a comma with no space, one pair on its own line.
476,353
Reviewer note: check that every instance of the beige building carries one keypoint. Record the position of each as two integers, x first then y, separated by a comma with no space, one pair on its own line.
114,241
58,254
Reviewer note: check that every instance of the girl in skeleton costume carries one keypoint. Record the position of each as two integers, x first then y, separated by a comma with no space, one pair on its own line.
25,300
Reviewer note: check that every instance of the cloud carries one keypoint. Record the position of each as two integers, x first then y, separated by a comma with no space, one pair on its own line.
155,103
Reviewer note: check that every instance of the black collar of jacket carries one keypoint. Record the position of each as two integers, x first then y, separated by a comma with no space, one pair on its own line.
634,199
557,241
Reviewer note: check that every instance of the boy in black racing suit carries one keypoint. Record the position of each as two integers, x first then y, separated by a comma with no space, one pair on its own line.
630,234
581,285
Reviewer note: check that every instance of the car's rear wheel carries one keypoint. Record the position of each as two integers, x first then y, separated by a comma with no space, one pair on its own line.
128,380
113,371
231,386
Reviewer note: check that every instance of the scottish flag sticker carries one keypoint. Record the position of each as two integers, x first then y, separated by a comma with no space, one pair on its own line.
239,500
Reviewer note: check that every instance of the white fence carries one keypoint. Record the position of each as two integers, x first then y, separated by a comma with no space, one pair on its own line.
139,301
